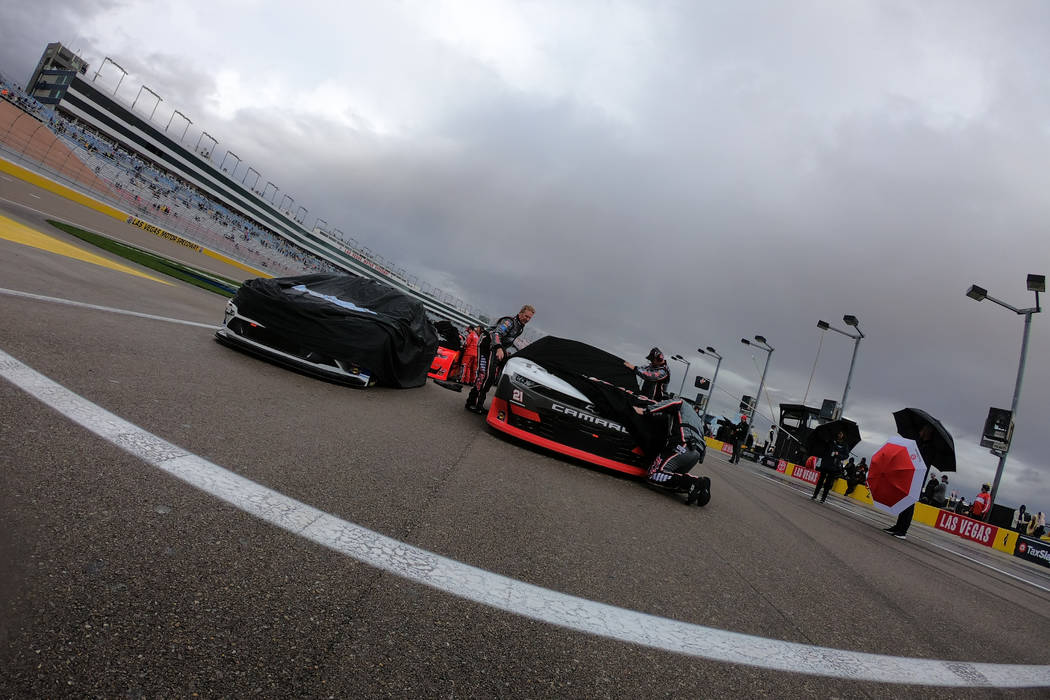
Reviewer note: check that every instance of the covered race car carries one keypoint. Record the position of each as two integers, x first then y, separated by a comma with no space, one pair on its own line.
447,362
341,327
579,401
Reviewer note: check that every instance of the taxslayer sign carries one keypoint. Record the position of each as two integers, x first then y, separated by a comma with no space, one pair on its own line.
969,528
1033,550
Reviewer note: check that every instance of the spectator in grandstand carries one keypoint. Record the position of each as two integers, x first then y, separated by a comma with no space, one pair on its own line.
939,498
1037,525
859,475
982,503
493,350
1021,519
927,491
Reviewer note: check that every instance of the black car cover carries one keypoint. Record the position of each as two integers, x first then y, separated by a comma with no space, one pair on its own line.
346,317
604,379
448,335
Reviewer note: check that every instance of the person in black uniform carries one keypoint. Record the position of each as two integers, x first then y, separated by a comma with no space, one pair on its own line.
655,376
830,466
737,438
493,347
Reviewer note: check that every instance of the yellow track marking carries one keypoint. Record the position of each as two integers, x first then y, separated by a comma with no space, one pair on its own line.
18,233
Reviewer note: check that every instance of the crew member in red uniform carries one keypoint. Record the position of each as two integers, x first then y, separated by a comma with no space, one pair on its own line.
982,503
469,363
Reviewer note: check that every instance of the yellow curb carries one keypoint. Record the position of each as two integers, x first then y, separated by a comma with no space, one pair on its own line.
18,233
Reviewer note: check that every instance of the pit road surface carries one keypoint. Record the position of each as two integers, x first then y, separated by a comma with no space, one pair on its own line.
123,581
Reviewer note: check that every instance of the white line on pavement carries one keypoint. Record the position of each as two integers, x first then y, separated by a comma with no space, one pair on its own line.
498,591
110,309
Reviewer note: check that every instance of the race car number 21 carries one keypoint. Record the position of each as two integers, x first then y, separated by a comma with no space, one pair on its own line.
517,396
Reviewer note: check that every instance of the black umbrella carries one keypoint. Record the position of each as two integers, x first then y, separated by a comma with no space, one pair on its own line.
822,436
939,449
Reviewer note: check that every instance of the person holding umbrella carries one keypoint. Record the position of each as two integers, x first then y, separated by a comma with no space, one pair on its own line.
830,465
936,447
832,442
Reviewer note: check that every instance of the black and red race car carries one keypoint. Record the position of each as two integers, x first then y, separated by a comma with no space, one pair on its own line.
447,363
341,327
579,401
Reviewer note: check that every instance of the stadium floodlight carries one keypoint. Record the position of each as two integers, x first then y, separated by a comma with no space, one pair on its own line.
760,343
711,390
1037,284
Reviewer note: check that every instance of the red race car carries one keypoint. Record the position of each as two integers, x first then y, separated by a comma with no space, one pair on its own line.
445,367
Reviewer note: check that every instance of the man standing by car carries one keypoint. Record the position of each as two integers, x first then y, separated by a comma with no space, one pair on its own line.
469,364
493,348
655,376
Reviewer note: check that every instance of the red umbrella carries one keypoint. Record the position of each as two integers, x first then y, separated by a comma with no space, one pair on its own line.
896,475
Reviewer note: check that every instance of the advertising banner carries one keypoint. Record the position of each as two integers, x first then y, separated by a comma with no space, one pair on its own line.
1033,550
968,528
810,476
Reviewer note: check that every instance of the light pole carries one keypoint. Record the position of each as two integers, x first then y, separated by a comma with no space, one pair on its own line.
223,163
197,148
159,100
249,172
1036,283
849,321
682,359
760,343
188,122
123,72
711,389
267,189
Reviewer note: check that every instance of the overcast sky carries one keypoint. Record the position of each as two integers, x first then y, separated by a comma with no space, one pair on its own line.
679,174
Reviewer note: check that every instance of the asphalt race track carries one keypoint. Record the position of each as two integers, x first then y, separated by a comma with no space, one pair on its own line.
120,580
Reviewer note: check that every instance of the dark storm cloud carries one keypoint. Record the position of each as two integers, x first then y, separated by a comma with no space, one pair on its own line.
27,27
742,177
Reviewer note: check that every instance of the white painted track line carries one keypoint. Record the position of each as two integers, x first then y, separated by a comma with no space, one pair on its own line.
109,309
